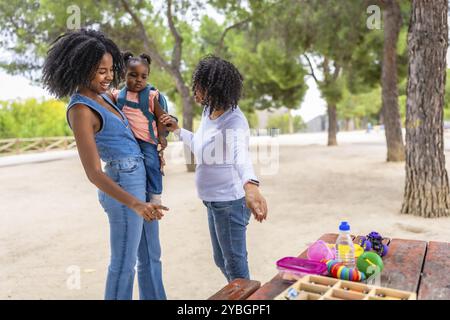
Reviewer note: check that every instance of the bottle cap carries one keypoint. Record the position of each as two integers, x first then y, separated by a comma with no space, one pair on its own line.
344,226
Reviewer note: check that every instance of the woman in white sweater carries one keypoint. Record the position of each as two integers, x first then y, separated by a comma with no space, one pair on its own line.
225,178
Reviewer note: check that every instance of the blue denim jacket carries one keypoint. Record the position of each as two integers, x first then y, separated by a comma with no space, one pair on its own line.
115,140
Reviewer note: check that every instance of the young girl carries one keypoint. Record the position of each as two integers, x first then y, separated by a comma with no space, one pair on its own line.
224,174
140,104
84,64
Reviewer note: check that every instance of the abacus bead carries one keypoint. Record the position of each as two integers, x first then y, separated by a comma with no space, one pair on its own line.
340,271
350,274
345,273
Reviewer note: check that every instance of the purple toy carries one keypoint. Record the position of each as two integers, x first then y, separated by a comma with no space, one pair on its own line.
374,241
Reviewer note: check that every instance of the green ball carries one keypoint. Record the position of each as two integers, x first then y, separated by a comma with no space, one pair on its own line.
370,263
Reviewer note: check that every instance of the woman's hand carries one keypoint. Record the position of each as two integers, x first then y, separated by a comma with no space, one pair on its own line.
170,123
255,202
149,211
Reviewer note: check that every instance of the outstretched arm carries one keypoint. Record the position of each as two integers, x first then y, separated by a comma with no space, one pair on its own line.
162,131
172,125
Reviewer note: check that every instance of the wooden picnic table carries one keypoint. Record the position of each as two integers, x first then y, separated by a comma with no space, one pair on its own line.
410,265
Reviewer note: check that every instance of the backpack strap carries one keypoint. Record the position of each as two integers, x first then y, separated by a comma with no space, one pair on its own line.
122,98
161,99
143,105
144,96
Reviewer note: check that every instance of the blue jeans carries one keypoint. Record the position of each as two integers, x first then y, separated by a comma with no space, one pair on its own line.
228,222
152,168
132,238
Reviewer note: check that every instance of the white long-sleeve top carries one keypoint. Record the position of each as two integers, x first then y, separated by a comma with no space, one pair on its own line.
221,151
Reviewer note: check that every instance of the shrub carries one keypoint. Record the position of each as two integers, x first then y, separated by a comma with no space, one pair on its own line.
32,118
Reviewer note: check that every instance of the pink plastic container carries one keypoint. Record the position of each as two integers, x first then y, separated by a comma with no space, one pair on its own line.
319,251
292,269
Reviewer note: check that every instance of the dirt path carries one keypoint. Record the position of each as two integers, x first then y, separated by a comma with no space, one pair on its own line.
51,223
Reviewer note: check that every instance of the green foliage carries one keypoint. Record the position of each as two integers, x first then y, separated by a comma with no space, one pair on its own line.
363,71
273,76
266,43
368,104
252,119
447,97
364,67
284,123
272,79
332,91
360,106
31,118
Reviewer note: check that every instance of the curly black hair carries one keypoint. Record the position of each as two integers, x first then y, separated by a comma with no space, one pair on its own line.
221,82
73,58
128,57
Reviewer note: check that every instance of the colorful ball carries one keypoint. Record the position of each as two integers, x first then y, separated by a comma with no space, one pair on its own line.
370,263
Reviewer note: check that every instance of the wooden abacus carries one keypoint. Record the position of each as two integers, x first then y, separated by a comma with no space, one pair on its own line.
325,288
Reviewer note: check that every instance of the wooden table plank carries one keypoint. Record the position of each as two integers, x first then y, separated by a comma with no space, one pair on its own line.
277,285
238,289
435,281
403,264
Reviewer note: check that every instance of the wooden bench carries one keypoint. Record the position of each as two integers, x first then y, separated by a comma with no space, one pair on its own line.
410,265
238,289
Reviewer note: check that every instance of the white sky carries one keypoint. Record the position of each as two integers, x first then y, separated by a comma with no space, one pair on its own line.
15,87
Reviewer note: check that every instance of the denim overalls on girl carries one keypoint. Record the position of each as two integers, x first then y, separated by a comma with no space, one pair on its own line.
132,239
140,110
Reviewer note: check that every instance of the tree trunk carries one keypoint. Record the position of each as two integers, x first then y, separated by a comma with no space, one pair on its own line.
332,125
329,80
426,187
390,108
291,123
347,124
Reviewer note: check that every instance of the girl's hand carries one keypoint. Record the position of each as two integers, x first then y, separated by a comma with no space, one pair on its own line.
149,211
162,162
255,202
162,142
170,123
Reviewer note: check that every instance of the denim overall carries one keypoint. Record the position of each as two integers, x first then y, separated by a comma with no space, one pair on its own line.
132,238
150,150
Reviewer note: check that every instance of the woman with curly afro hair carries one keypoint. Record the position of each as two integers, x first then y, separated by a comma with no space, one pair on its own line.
85,64
225,178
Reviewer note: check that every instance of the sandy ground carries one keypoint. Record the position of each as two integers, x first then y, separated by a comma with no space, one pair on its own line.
52,227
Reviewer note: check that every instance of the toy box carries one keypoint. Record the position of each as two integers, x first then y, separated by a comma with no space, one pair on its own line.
313,287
